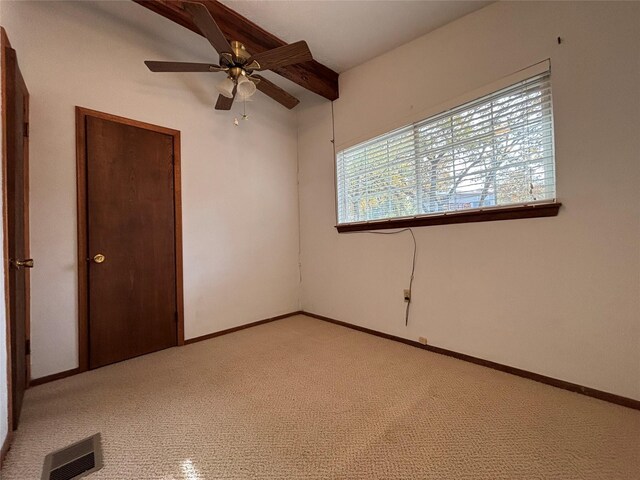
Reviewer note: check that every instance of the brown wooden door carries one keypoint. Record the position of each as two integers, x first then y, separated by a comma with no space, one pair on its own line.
17,181
131,222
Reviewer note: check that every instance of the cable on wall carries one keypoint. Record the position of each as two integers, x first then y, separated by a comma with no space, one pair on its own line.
335,171
413,263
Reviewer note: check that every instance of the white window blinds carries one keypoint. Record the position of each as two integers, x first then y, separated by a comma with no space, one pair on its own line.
495,151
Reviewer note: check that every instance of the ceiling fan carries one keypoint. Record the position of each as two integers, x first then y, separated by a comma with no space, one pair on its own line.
239,65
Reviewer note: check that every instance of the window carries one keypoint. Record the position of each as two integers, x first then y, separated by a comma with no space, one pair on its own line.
496,151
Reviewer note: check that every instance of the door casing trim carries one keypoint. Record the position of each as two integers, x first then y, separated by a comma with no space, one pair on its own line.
81,192
5,43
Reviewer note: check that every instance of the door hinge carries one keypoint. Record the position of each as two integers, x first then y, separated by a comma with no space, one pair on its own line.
26,129
27,347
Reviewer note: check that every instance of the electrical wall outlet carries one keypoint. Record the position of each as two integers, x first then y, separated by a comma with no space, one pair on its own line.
422,340
407,295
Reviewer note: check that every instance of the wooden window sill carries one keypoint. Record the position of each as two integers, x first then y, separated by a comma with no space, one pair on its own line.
489,215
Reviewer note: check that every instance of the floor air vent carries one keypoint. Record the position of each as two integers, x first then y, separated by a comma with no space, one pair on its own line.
74,461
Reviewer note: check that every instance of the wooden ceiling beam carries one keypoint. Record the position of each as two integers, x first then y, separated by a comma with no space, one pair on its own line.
311,75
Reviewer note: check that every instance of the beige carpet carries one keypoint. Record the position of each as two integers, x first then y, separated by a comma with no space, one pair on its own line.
301,398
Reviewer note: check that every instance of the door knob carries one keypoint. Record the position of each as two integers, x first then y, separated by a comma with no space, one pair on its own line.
26,263
99,258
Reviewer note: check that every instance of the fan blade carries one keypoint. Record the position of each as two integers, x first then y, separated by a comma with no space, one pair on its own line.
224,103
282,56
275,92
208,26
182,67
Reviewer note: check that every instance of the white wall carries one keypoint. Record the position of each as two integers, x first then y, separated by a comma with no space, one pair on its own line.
239,184
557,296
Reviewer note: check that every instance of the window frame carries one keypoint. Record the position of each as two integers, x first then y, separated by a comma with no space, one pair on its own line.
543,208
488,214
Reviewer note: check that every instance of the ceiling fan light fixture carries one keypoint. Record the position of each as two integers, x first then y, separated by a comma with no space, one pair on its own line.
246,87
225,87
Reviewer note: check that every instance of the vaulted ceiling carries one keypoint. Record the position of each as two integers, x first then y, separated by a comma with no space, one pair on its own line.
346,33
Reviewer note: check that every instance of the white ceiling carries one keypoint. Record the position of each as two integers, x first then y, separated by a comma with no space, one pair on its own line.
346,33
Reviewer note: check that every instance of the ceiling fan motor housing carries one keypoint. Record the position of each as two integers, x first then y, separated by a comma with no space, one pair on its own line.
237,64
